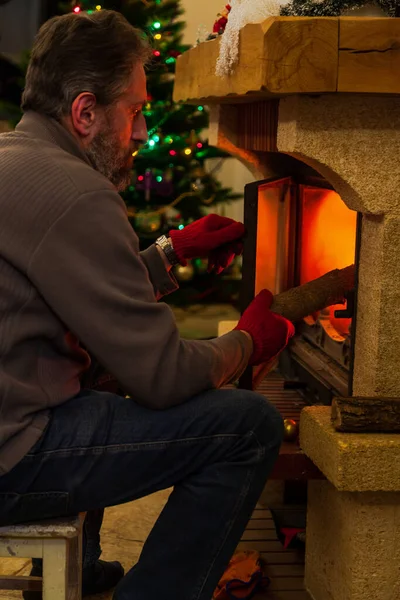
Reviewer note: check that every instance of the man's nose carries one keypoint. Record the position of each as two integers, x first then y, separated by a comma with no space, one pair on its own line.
139,131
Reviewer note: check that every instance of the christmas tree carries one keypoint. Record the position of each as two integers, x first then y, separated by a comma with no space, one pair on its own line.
170,186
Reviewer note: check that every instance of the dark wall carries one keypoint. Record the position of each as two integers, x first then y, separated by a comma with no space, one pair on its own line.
19,21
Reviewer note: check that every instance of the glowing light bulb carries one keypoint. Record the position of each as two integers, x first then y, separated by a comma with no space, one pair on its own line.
140,178
135,153
157,25
77,9
98,7
188,151
200,108
157,53
157,36
156,138
199,145
159,178
172,152
181,227
152,143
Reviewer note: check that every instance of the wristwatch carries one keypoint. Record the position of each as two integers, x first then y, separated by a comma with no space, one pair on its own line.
166,246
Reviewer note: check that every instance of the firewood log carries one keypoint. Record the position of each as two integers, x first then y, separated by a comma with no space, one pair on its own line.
301,301
366,415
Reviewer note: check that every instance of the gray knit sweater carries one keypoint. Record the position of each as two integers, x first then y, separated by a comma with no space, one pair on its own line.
71,273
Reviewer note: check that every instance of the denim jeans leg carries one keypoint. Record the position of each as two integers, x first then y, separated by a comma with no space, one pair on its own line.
215,450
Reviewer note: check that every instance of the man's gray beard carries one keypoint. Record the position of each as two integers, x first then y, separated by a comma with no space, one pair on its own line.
107,158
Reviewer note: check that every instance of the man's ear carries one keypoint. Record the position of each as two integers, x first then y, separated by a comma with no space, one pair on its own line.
83,114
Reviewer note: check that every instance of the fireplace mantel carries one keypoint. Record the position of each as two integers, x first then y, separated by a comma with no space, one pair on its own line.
296,55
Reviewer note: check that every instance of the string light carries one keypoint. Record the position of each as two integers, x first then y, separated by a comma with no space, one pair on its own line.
159,178
157,36
140,178
199,145
98,7
156,138
170,60
135,153
152,143
181,227
172,152
77,9
157,53
200,108
157,25
188,151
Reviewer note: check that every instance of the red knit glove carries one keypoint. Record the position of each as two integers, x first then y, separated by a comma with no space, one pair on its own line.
213,237
270,332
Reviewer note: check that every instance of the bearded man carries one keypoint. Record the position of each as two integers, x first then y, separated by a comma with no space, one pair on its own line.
73,283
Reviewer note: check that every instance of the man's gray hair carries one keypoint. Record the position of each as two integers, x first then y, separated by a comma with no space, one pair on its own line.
82,52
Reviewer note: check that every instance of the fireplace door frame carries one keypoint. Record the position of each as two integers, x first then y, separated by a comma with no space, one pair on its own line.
248,284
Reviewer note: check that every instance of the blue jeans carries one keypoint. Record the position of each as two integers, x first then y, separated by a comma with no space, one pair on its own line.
99,450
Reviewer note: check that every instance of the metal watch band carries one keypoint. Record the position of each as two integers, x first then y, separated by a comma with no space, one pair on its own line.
166,246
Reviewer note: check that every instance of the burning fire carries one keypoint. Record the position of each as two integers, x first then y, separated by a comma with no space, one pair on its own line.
328,238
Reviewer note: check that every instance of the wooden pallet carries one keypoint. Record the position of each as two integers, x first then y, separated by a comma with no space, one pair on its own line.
285,568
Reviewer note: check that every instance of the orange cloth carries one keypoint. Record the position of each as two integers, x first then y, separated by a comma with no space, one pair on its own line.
242,578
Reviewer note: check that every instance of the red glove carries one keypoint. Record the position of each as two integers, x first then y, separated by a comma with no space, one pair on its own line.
270,332
213,237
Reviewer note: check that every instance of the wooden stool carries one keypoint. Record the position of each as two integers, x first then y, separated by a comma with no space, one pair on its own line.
59,543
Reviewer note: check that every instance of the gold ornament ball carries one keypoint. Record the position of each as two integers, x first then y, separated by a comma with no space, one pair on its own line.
147,222
184,273
291,430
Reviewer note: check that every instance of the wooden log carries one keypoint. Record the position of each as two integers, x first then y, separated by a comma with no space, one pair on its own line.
366,415
301,301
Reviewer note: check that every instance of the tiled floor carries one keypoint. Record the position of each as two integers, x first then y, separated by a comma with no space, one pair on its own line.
126,527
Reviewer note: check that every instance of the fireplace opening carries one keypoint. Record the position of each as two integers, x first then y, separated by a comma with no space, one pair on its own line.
299,228
327,234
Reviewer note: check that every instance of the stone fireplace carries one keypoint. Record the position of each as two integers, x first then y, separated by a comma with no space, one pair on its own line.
313,109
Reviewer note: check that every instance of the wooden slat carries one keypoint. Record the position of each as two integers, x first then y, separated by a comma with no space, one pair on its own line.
272,595
288,570
251,535
287,557
18,582
288,583
261,546
264,524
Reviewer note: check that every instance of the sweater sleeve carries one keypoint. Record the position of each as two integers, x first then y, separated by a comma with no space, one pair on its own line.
89,271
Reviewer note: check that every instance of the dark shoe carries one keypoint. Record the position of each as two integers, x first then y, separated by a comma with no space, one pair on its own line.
101,577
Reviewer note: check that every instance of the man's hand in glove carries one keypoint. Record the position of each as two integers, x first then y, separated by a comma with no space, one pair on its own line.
217,238
270,332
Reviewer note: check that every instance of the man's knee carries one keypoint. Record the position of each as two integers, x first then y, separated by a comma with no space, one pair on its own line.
259,415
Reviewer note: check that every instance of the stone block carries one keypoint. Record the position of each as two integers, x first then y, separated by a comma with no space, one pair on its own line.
353,544
353,462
